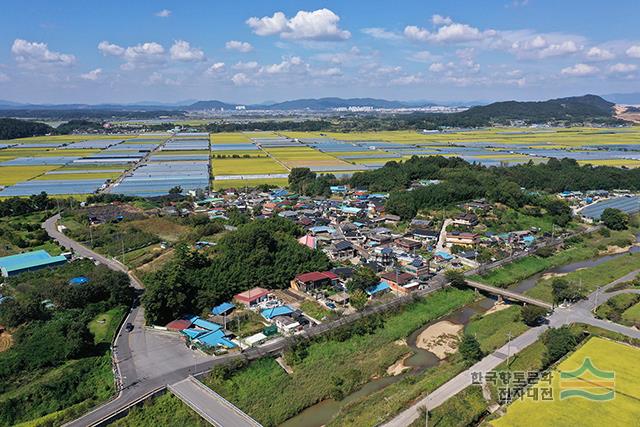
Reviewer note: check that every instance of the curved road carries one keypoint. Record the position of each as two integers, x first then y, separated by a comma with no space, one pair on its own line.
580,312
148,359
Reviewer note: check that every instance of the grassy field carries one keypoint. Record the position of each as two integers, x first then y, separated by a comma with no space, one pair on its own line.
463,409
590,278
165,410
105,325
622,410
240,183
271,396
229,138
315,310
491,330
631,316
10,175
78,176
253,166
590,246
615,308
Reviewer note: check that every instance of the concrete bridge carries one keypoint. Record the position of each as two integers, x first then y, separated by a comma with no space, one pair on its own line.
510,295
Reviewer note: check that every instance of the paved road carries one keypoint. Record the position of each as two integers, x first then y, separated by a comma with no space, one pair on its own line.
210,405
148,359
580,312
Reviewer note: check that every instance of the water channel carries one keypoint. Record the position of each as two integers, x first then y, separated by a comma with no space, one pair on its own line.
322,412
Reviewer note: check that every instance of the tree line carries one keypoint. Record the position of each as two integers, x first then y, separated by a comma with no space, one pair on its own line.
261,253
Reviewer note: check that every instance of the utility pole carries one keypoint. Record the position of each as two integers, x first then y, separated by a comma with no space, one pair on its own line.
509,336
122,242
426,412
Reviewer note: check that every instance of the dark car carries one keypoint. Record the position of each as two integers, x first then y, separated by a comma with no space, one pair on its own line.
129,326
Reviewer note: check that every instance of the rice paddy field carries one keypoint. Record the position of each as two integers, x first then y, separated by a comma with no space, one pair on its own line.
605,355
151,164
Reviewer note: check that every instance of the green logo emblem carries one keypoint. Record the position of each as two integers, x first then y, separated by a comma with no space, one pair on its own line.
587,382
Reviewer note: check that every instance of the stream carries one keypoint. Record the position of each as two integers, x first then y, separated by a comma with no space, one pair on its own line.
323,412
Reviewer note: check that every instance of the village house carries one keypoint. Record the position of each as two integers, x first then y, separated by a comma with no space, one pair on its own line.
315,280
461,238
467,219
342,250
401,282
252,297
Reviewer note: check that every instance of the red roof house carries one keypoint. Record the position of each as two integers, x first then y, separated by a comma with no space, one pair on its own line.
252,296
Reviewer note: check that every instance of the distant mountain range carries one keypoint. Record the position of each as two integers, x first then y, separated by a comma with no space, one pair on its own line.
315,104
575,108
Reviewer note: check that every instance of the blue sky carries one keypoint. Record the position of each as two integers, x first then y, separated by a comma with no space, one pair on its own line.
253,51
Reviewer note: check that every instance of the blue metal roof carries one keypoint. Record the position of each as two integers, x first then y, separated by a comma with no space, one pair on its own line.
222,308
444,255
215,339
80,280
380,287
281,310
205,324
13,264
193,333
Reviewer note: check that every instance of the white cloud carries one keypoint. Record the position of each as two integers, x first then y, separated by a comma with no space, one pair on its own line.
215,68
599,54
182,51
110,49
423,56
438,67
4,78
580,70
164,13
416,33
633,51
321,24
350,56
381,33
406,80
560,49
450,33
136,56
441,20
92,75
33,55
245,65
241,79
283,67
243,47
621,68
328,72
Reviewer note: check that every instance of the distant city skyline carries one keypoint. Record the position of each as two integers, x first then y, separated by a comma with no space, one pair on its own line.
255,51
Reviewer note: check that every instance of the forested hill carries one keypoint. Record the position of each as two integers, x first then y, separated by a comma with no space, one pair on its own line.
13,128
572,109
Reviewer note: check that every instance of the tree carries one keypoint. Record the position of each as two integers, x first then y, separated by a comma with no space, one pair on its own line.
532,314
358,299
615,219
175,190
558,342
402,204
563,291
470,349
456,278
362,279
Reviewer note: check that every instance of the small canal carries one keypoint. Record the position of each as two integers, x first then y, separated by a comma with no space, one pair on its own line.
324,411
